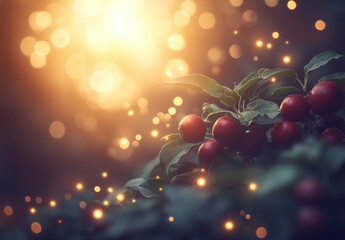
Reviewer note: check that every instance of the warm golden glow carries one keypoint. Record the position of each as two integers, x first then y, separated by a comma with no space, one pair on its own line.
271,3
124,143
189,6
27,45
57,129
98,214
181,18
236,3
79,186
106,203
27,199
36,227
229,225
32,210
155,120
138,137
42,47
273,80
320,25
176,67
259,43
154,133
253,187
269,45
171,219
120,197
176,42
178,101
235,51
247,216
104,174
286,59
275,35
82,204
38,60
97,189
207,20
60,38
52,203
261,232
76,66
216,55
172,111
8,210
291,5
201,182
110,190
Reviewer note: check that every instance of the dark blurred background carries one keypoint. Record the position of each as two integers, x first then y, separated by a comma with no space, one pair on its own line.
79,83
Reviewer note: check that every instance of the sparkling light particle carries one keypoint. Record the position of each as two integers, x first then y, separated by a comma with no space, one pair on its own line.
110,190
271,3
286,59
98,214
207,20
52,203
253,187
269,45
155,120
229,225
320,25
154,133
36,227
178,101
235,51
134,200
176,67
106,203
248,216
273,79
79,186
8,210
172,111
27,199
259,43
120,197
130,113
236,3
97,189
124,143
171,219
27,45
60,38
291,5
235,32
104,174
57,129
32,210
138,137
82,204
275,35
261,232
201,182
176,42
256,58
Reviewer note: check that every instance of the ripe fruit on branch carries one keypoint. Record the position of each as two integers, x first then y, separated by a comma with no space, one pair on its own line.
333,135
326,98
228,131
294,108
309,191
192,128
253,141
208,151
285,133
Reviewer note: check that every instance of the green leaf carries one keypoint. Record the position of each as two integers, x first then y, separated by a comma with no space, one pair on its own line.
151,169
339,78
134,183
207,86
275,93
247,82
320,60
172,152
152,187
215,115
257,108
277,72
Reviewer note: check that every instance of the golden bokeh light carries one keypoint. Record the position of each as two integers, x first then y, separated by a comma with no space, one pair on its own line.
248,216
39,200
155,120
154,133
286,59
110,189
201,182
176,42
291,5
207,20
229,225
236,3
172,111
120,197
253,187
261,232
181,18
235,51
43,20
38,60
60,38
320,25
27,199
143,103
104,80
76,66
97,189
98,214
32,210
27,45
275,35
82,204
189,6
42,47
138,137
259,43
269,45
178,101
57,129
52,203
249,18
176,67
124,143
79,186
36,227
104,174
8,210
216,55
271,3
171,219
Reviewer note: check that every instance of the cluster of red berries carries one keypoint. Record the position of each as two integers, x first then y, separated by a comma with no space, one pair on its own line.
325,99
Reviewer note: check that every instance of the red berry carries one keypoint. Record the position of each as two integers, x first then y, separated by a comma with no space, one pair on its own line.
228,131
294,108
192,128
309,191
285,133
326,98
333,135
208,151
253,141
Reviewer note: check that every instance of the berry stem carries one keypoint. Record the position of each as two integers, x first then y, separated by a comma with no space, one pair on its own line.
306,78
303,86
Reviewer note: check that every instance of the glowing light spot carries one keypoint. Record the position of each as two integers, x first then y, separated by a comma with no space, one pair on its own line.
261,232
32,210
143,103
155,120
76,66
57,129
172,111
79,186
59,221
236,3
39,200
250,18
248,216
82,204
291,5
36,227
259,43
43,19
181,18
235,51
320,25
216,55
135,144
97,189
275,35
160,189
104,174
52,203
124,143
120,197
176,42
229,225
273,80
286,59
27,199
138,137
158,177
178,101
27,45
42,47
98,214
8,210
103,81
207,20
130,113
253,187
235,32
110,190
271,3
134,200
106,203
38,60
287,42
256,58
176,67
202,170
171,219
201,182
189,6
154,133
60,38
